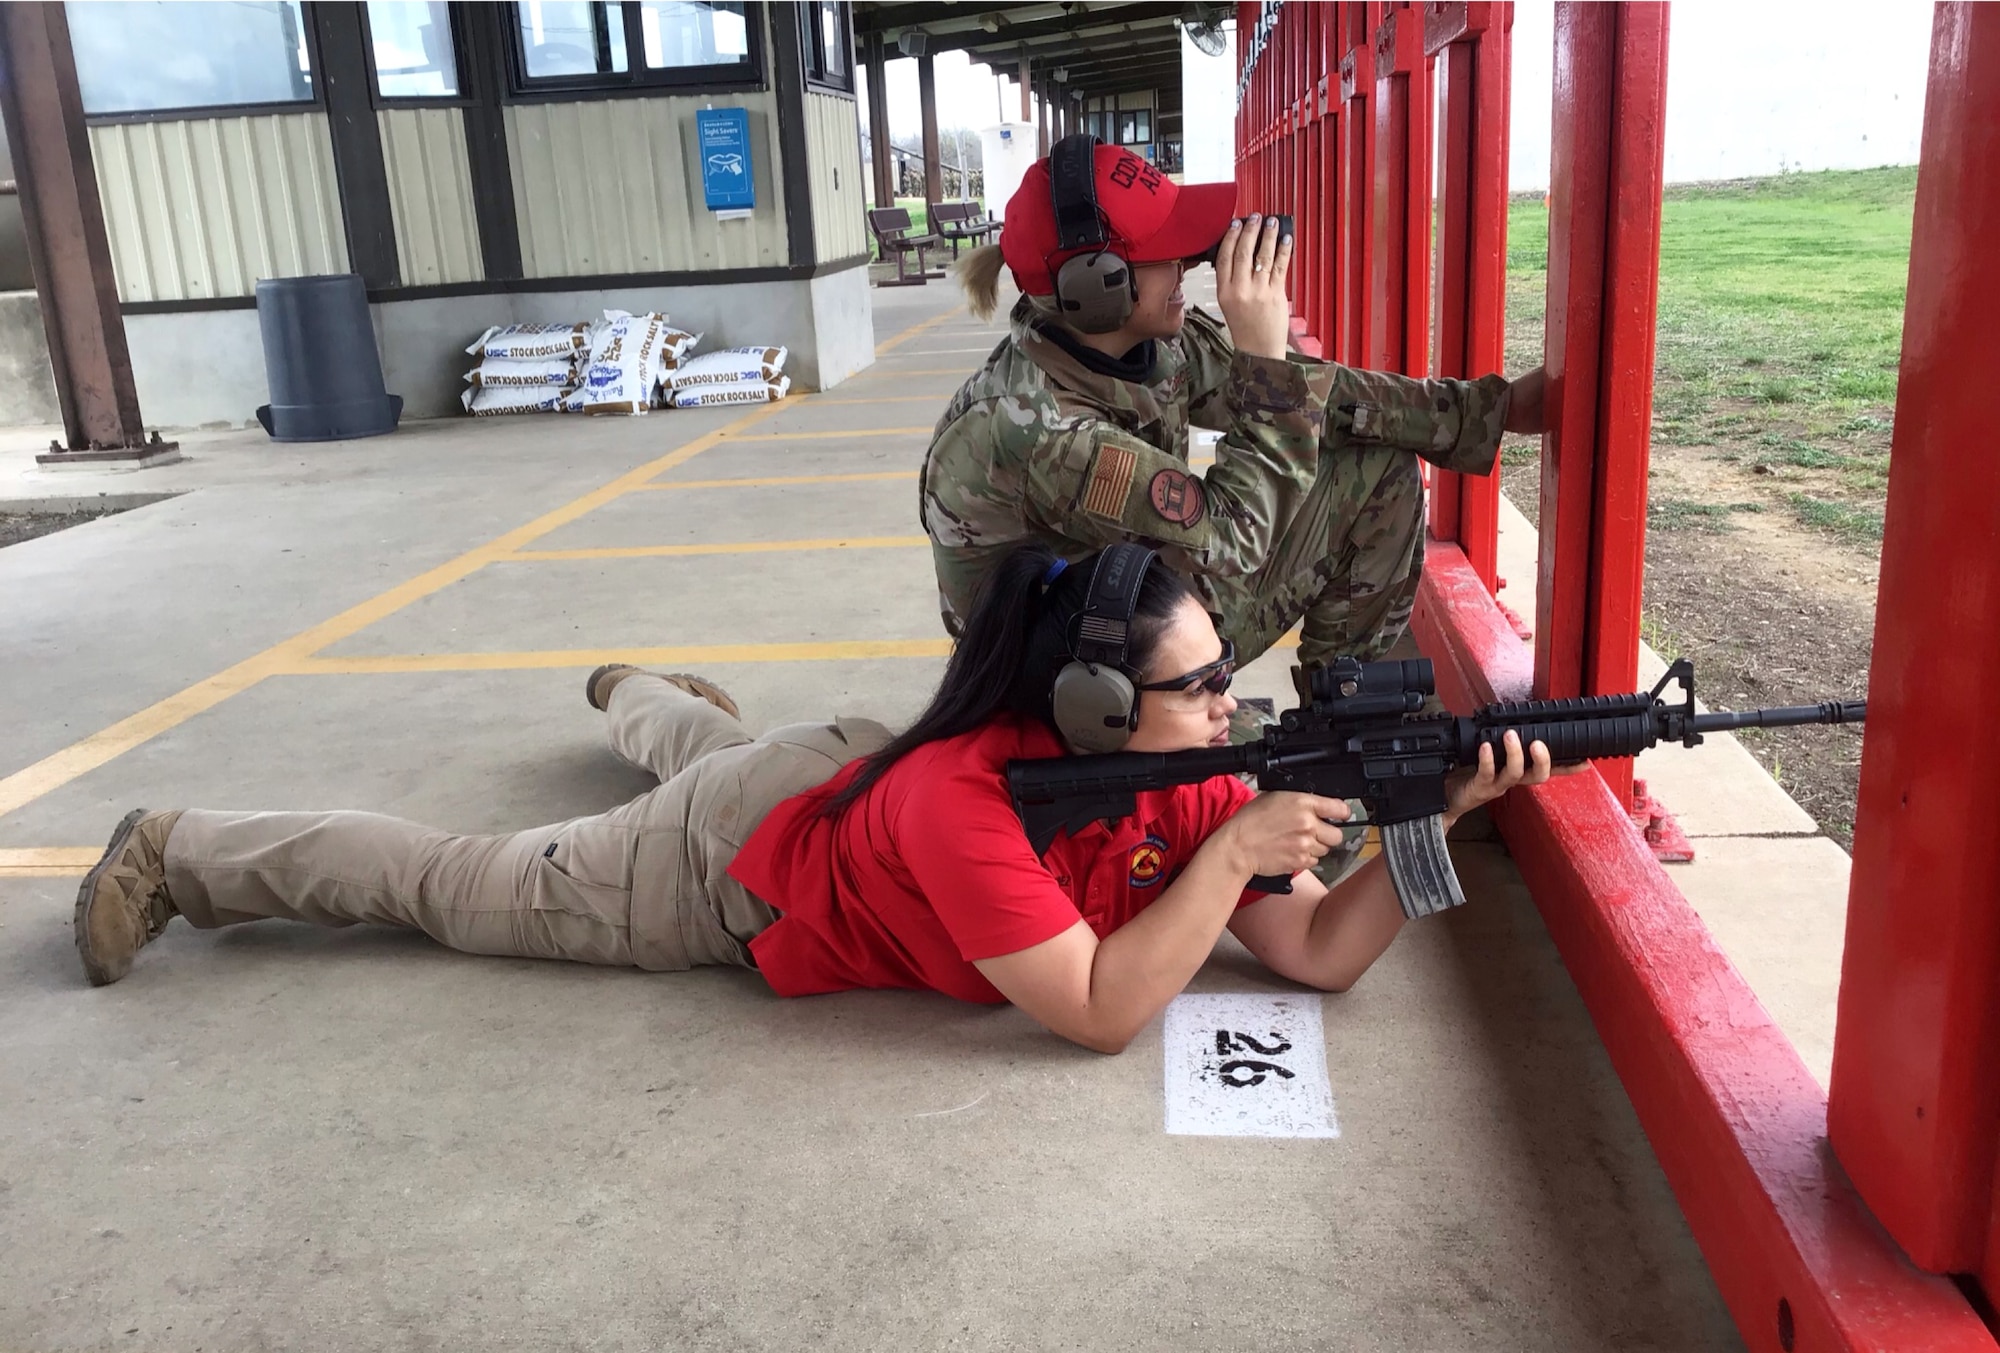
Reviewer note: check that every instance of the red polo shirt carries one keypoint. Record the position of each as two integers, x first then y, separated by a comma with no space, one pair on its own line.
930,869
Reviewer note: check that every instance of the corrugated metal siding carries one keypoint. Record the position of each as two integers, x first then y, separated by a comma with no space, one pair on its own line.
614,186
833,155
205,208
430,195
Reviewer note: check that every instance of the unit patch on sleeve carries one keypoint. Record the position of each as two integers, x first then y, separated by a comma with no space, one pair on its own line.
1177,497
1149,862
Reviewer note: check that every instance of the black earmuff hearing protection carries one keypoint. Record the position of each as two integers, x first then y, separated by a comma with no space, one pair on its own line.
1095,291
1095,704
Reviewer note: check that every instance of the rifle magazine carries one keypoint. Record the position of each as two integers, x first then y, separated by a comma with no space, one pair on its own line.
1420,867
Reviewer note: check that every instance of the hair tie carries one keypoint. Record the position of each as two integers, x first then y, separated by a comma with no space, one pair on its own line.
1055,572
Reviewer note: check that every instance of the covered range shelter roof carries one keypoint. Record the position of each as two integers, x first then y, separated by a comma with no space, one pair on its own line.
1099,46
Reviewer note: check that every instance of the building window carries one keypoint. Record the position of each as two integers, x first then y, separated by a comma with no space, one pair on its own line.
827,45
1135,126
191,56
628,45
411,45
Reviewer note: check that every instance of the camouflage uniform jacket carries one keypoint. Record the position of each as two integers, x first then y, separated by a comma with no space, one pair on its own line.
1036,446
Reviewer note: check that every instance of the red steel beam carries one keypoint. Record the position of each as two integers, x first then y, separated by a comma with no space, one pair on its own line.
1470,43
1579,200
1604,233
1915,1100
1736,1120
1358,151
1399,279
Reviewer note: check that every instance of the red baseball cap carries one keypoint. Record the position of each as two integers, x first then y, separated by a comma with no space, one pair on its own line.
1150,218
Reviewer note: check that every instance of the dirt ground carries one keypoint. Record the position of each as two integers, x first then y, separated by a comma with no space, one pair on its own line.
16,527
1771,612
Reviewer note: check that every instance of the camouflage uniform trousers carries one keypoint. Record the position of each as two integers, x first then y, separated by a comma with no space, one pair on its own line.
1348,565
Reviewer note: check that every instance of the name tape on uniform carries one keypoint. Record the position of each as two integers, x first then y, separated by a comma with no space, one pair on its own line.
1247,1066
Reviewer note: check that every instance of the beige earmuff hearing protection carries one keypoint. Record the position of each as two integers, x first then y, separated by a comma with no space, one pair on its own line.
1095,291
1095,704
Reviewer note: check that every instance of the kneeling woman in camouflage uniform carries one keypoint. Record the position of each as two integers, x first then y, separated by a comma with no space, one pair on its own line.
1074,436
906,867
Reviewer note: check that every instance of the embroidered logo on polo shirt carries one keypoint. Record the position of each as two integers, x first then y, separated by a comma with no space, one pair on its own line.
1149,862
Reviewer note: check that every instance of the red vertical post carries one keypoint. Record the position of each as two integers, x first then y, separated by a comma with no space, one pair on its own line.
1358,91
1383,344
1604,245
1445,30
1488,95
1915,1104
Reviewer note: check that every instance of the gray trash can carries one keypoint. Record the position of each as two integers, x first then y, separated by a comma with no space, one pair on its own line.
320,359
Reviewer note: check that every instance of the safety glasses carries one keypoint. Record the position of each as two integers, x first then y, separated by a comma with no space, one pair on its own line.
1213,678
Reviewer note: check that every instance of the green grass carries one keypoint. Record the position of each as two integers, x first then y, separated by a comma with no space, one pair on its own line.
1842,519
1683,514
1780,326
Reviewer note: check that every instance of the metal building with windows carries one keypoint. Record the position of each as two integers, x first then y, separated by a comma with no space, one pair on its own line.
475,164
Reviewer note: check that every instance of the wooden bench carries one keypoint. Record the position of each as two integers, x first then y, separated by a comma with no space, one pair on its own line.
891,227
958,222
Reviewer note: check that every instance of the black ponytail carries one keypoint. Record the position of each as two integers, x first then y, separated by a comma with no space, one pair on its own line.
1016,640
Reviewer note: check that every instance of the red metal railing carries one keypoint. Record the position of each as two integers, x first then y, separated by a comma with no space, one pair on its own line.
1739,1125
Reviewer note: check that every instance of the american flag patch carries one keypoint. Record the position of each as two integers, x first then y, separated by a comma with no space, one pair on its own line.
1111,482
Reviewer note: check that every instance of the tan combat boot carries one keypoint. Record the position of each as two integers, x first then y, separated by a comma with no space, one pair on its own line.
123,903
598,687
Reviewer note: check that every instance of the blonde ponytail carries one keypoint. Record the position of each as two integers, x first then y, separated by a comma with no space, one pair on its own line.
979,275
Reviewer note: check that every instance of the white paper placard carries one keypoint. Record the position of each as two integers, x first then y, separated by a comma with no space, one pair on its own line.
1247,1066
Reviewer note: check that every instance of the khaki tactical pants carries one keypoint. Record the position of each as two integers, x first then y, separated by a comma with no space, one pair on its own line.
1349,563
643,885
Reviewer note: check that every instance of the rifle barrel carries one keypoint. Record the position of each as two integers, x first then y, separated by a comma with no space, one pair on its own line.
1786,716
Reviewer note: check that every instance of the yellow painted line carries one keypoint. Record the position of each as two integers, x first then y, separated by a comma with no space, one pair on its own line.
31,782
939,400
725,547
79,758
48,862
822,436
892,344
769,481
689,655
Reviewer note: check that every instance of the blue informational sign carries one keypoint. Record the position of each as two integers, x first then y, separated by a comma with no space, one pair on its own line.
726,178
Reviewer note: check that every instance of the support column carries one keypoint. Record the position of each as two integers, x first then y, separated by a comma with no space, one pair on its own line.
927,100
1604,249
1026,78
1357,178
1472,61
878,123
1914,1112
1399,285
68,249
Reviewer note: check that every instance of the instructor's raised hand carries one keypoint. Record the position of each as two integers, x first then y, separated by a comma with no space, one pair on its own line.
1251,268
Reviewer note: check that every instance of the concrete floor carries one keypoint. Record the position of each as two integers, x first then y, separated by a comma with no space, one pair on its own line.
280,1137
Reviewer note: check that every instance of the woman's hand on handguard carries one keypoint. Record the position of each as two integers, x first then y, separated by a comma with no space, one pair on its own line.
1467,789
1251,266
1280,833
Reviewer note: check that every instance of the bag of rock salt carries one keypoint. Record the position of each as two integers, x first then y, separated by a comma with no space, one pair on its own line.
559,372
731,392
532,340
729,365
486,401
625,363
